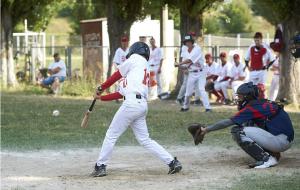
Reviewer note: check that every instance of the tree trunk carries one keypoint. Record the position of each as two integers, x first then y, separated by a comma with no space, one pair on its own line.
7,64
290,67
188,23
117,27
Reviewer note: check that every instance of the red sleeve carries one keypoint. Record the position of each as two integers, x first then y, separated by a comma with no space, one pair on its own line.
112,96
111,80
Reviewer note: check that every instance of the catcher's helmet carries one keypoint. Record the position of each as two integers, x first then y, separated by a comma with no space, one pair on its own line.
246,92
140,48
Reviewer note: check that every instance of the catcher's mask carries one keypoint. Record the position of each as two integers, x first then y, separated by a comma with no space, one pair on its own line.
245,93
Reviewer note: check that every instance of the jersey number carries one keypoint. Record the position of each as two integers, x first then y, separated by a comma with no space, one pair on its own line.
146,77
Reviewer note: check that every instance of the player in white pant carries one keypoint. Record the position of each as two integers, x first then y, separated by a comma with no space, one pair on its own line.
261,59
237,74
197,74
134,89
275,80
155,63
224,75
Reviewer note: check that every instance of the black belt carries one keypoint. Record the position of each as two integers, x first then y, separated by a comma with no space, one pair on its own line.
196,71
136,96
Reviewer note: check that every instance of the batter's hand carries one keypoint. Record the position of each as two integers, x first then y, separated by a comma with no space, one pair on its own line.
98,92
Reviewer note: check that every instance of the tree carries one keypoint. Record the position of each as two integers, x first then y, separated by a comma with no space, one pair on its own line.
120,16
38,13
286,13
191,19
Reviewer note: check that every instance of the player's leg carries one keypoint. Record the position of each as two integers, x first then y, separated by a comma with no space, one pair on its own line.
182,90
191,81
118,126
254,77
224,85
235,85
197,94
158,81
141,133
274,88
201,86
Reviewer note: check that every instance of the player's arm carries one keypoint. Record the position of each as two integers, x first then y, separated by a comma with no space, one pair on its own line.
219,125
247,58
272,58
54,71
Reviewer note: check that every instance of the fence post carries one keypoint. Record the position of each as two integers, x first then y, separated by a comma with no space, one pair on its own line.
238,40
32,65
52,44
69,68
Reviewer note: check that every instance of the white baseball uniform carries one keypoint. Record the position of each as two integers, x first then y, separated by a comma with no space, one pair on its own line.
155,58
133,111
258,75
196,78
120,56
235,73
213,69
275,81
224,71
181,94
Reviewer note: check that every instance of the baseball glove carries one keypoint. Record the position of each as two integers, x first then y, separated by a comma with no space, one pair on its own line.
195,130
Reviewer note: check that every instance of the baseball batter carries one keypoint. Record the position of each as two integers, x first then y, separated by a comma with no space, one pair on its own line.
155,63
133,111
261,59
197,74
275,80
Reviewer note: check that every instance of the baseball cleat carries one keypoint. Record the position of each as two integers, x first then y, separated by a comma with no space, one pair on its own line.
184,109
175,166
271,162
99,171
257,163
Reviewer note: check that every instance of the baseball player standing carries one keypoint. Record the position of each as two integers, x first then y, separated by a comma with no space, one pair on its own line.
261,59
133,111
183,68
121,52
275,80
197,74
224,75
155,63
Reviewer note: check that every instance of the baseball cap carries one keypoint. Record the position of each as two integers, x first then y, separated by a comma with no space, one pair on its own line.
124,39
207,56
223,54
236,56
188,38
192,33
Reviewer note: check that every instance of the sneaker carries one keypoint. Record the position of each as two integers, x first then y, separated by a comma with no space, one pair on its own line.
184,109
99,171
271,162
175,166
208,110
257,163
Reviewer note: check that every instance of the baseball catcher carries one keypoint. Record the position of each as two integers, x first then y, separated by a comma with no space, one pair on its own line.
271,133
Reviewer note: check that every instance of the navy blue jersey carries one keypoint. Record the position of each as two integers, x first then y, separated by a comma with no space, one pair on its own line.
267,115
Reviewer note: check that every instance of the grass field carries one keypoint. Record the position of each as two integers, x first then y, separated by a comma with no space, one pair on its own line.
27,125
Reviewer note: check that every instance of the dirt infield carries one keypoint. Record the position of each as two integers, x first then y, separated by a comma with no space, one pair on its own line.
133,168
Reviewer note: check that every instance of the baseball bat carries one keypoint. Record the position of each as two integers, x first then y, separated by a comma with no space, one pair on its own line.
85,119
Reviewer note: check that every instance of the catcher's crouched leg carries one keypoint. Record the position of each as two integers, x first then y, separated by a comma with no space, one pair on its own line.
248,145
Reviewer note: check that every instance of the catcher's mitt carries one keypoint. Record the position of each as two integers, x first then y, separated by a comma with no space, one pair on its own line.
195,130
210,86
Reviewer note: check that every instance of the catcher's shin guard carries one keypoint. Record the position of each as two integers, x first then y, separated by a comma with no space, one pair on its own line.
248,145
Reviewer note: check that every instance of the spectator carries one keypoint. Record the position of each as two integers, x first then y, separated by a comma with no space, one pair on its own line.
57,71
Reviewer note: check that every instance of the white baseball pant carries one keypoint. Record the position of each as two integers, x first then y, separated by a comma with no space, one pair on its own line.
274,87
131,113
258,77
196,80
182,90
222,86
235,85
